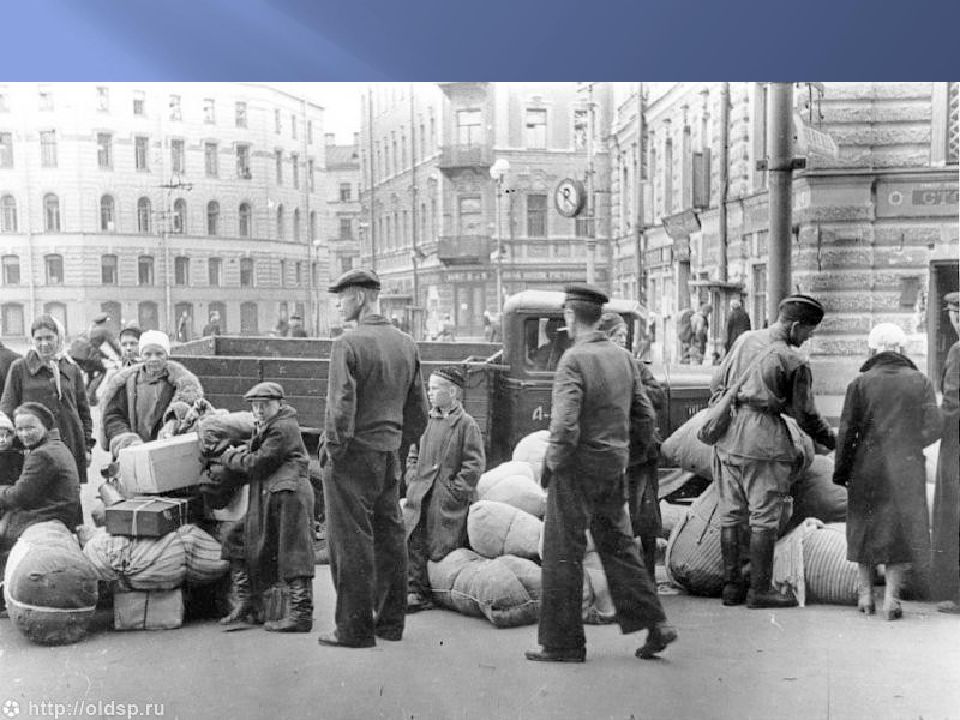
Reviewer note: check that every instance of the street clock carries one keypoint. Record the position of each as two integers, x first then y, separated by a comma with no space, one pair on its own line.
569,197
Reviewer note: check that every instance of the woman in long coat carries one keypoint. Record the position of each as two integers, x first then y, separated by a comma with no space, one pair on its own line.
889,415
47,376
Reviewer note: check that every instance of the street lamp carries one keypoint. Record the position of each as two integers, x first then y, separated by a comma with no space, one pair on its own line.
497,171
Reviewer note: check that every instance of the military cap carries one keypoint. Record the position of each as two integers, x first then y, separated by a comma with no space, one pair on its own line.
801,308
265,391
585,293
450,374
100,318
131,328
359,277
951,301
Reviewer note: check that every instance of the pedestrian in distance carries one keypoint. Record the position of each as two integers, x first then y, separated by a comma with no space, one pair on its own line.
375,408
599,411
700,333
738,322
296,327
441,483
212,328
889,415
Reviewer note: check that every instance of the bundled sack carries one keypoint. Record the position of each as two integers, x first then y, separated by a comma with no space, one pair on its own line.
505,590
816,496
49,586
683,449
495,529
812,562
204,560
532,450
518,489
138,563
218,430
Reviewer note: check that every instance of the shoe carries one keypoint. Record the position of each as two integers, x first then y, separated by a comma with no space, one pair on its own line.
543,654
333,640
658,638
391,635
418,603
867,608
949,606
895,612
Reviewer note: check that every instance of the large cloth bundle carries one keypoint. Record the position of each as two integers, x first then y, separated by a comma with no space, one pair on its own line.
138,563
495,529
218,430
693,552
49,586
512,483
505,590
812,562
815,495
203,556
531,450
683,448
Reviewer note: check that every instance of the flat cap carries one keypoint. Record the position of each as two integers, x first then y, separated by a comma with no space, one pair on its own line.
802,308
100,318
585,293
951,301
450,374
265,391
131,328
359,277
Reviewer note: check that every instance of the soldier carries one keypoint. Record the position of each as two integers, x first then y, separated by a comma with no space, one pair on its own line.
598,403
375,407
754,461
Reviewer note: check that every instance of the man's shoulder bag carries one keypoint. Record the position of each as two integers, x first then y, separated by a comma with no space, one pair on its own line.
720,410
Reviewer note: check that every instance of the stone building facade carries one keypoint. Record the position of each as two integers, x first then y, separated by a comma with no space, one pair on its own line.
151,201
342,222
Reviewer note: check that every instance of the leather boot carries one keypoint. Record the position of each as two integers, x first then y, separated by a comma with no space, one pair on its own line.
734,589
242,608
761,595
299,617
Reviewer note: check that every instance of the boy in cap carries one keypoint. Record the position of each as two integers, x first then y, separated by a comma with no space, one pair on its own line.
130,344
278,530
442,485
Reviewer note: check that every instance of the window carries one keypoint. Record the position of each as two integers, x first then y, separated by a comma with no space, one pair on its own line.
48,148
215,272
668,177
403,148
296,224
298,275
179,215
468,127
178,159
13,319
278,159
6,150
243,162
293,126
54,269
8,214
244,220
701,179
46,100
310,185
240,114
469,215
103,99
139,102
295,164
346,229
277,121
536,215
945,124
51,213
535,129
175,107
209,111
248,318
105,151
283,273
220,308
246,272
280,224
580,127
213,217
108,214
181,271
344,192
313,225
210,159
143,215
309,132
145,271
11,270
140,148
423,141
108,270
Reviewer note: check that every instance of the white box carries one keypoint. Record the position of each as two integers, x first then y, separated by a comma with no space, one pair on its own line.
161,465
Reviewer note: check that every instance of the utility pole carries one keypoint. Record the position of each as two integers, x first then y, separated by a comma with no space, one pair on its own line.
780,166
413,315
591,201
373,225
176,183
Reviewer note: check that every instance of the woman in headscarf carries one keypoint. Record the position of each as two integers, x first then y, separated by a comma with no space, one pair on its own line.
889,415
47,376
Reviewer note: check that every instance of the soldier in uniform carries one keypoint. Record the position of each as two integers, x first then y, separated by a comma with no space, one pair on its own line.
754,462
599,406
376,406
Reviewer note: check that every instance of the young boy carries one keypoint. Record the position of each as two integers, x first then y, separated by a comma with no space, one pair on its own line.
11,452
442,484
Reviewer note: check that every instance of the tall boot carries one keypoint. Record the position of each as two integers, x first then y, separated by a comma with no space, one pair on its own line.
648,543
242,607
299,617
761,594
734,589
891,602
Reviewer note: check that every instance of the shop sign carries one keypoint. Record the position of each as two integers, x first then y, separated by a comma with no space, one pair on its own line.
917,199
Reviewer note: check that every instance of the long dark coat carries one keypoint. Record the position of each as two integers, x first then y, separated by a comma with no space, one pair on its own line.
278,530
30,380
448,469
7,356
889,415
946,503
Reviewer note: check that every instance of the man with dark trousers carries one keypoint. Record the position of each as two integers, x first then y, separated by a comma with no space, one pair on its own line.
599,410
376,406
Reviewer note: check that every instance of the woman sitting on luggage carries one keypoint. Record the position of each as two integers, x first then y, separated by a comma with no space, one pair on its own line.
278,528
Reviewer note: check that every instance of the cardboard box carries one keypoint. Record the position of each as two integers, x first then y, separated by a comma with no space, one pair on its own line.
150,610
151,516
161,466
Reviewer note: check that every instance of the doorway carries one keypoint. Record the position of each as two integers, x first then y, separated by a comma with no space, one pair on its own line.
944,278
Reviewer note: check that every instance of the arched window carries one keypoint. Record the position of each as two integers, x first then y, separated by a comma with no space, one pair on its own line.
8,214
313,225
280,228
51,213
143,215
108,214
179,215
213,217
296,225
245,218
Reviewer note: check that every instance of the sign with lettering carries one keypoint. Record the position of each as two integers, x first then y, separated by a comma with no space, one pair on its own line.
682,224
905,199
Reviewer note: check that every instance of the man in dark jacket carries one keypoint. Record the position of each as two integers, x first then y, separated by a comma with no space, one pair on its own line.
599,411
7,356
738,322
212,327
375,407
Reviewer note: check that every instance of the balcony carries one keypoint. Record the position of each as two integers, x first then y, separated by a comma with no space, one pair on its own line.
455,156
464,249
